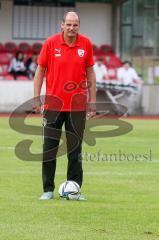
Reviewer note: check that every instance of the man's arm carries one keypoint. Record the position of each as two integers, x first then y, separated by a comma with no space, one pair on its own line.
136,78
91,79
38,81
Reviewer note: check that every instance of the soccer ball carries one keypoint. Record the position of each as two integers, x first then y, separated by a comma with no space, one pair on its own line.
70,190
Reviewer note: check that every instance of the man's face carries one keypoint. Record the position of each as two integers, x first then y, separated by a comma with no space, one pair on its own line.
99,62
126,66
71,26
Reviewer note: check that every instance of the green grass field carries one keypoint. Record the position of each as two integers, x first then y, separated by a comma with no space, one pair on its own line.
123,196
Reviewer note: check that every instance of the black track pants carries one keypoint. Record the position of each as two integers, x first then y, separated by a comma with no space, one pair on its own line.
74,129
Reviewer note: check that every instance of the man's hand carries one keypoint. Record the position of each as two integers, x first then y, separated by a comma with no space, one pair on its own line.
91,110
38,81
38,106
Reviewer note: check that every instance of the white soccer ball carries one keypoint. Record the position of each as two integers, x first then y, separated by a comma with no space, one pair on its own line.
70,190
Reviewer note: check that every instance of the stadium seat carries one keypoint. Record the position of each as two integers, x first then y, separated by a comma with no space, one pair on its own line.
36,47
95,50
113,62
22,78
2,49
24,47
105,49
10,47
4,58
4,64
8,77
3,70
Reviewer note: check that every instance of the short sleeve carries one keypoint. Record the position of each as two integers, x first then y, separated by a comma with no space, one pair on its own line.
90,60
134,74
43,56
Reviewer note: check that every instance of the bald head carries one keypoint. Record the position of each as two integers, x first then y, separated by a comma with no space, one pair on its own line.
71,15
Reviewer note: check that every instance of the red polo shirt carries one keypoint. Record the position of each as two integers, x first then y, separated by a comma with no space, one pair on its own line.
66,72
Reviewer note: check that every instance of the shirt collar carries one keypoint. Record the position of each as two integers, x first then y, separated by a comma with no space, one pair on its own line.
74,45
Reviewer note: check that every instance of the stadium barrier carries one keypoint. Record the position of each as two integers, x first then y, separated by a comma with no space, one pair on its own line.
13,94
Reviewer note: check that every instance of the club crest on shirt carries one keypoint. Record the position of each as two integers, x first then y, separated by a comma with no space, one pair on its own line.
57,52
80,52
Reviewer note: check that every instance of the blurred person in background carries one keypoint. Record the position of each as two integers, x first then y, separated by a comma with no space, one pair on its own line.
31,65
17,65
127,75
100,70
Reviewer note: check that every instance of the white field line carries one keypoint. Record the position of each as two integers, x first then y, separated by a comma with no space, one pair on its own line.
12,148
6,148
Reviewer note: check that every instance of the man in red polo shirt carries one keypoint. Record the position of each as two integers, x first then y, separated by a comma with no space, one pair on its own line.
67,61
